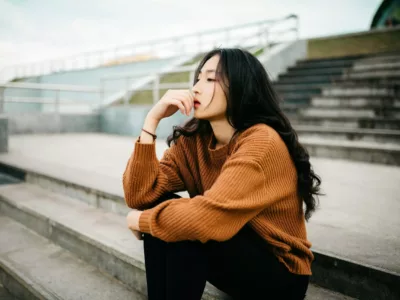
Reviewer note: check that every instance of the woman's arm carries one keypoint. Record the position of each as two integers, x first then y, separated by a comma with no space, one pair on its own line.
146,178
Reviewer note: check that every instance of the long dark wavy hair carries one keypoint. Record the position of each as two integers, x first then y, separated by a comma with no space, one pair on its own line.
251,99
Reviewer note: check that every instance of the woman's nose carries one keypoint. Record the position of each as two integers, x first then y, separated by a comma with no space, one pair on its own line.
195,89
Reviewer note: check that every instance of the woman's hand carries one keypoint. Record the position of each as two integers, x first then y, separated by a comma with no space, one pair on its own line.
133,222
170,103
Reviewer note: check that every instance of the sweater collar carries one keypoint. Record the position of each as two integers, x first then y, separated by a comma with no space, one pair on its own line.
219,153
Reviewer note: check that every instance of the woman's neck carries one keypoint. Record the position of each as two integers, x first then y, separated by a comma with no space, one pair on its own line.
223,132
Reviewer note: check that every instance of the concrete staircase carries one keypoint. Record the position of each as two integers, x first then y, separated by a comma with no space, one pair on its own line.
346,107
64,241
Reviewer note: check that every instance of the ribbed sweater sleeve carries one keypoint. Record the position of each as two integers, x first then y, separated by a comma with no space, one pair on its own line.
146,178
246,186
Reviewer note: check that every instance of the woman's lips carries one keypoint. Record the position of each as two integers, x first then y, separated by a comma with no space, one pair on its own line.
196,104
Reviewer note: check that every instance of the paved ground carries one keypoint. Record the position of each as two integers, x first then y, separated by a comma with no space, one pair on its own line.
358,218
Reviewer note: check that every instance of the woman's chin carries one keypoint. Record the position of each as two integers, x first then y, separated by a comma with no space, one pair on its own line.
197,114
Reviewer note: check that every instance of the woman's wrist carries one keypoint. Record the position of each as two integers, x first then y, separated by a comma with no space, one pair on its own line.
133,218
150,125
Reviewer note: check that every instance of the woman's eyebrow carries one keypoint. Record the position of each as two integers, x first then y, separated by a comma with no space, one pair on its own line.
208,71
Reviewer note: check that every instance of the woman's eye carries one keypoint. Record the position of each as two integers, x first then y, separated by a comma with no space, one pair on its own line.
208,79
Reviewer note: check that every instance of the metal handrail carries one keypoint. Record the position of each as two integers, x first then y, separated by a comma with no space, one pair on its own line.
147,73
177,44
42,100
48,87
155,76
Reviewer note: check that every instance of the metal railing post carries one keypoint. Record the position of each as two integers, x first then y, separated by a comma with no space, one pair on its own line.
57,103
266,38
2,96
297,27
126,96
102,93
156,89
57,112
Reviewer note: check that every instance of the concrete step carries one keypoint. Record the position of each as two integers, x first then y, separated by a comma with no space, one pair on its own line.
362,66
329,62
293,108
32,267
332,59
304,88
359,90
302,100
346,122
350,225
295,71
319,79
297,97
370,152
377,59
7,179
338,133
324,64
371,74
360,112
96,236
293,97
353,101
368,81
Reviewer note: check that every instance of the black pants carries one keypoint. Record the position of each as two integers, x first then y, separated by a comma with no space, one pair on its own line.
243,267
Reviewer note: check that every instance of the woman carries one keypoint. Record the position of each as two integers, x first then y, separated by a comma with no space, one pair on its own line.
243,227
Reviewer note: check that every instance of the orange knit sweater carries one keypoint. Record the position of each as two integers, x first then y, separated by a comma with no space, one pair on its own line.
252,181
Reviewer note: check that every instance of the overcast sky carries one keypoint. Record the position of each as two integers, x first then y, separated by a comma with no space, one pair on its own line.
32,30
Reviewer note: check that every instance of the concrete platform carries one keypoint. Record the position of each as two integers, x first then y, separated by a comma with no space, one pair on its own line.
361,197
357,220
35,268
98,237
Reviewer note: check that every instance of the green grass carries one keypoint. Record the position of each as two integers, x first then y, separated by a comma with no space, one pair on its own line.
18,79
357,44
258,52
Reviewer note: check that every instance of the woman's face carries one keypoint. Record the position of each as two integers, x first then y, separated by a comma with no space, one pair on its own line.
209,93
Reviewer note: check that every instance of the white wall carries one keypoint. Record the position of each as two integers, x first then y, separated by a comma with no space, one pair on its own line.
279,58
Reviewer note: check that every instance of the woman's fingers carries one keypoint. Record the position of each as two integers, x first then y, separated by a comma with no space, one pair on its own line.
179,104
186,98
